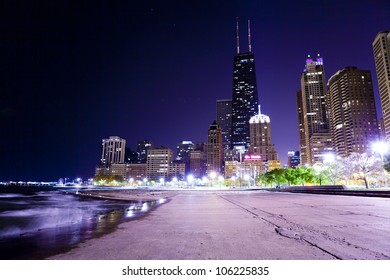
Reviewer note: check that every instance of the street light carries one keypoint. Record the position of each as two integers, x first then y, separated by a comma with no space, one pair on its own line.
190,179
212,175
382,148
220,179
329,158
247,178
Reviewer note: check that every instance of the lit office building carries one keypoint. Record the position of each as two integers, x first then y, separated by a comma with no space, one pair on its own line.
311,105
352,112
158,163
197,163
244,98
381,47
293,159
142,150
224,120
113,150
214,148
260,137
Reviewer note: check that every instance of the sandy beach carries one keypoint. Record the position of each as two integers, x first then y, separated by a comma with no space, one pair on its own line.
245,225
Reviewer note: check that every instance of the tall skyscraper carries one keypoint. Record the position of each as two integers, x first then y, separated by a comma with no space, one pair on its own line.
214,148
311,100
352,112
301,127
224,120
260,137
381,46
113,150
244,99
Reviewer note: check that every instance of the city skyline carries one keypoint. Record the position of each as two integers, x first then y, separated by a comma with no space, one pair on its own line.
73,75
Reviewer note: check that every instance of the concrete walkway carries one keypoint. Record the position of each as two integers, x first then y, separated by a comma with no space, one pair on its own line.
250,225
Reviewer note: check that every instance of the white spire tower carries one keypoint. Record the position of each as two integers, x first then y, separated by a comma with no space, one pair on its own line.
238,38
249,35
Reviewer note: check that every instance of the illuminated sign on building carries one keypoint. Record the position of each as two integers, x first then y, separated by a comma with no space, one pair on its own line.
252,157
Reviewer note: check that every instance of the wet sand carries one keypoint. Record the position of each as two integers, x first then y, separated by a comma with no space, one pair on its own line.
245,225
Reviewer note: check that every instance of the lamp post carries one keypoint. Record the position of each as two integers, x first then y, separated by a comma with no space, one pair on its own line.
212,175
190,179
382,148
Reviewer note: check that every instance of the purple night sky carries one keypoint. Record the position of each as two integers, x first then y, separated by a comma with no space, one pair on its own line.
75,72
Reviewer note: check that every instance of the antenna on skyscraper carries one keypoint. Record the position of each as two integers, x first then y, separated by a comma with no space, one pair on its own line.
249,35
238,39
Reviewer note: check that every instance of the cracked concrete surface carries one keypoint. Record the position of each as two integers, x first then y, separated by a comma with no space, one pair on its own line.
250,225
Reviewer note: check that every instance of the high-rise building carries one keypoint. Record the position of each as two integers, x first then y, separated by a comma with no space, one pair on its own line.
142,150
224,120
352,112
158,163
214,148
301,128
381,126
113,150
311,104
244,98
293,159
381,46
260,137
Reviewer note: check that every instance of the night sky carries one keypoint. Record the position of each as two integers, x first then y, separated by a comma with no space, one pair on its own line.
75,72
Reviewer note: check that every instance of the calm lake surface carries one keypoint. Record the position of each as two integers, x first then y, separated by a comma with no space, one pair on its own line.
36,225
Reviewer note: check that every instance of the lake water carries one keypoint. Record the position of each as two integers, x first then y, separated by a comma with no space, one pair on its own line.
40,224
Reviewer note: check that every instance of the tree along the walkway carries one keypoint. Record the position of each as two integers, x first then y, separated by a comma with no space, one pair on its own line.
362,166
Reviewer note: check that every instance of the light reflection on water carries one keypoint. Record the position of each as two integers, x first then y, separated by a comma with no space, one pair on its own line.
35,226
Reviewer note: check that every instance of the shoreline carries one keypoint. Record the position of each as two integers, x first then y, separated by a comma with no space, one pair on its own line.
128,194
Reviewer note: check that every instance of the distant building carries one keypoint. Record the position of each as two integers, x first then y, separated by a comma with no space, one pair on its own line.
131,156
126,171
177,169
113,150
320,145
253,165
381,47
158,163
142,150
352,112
198,163
293,159
260,137
214,149
273,164
231,169
224,120
183,150
312,108
301,128
136,171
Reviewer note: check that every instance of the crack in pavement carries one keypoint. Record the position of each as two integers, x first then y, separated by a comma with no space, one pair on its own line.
287,233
